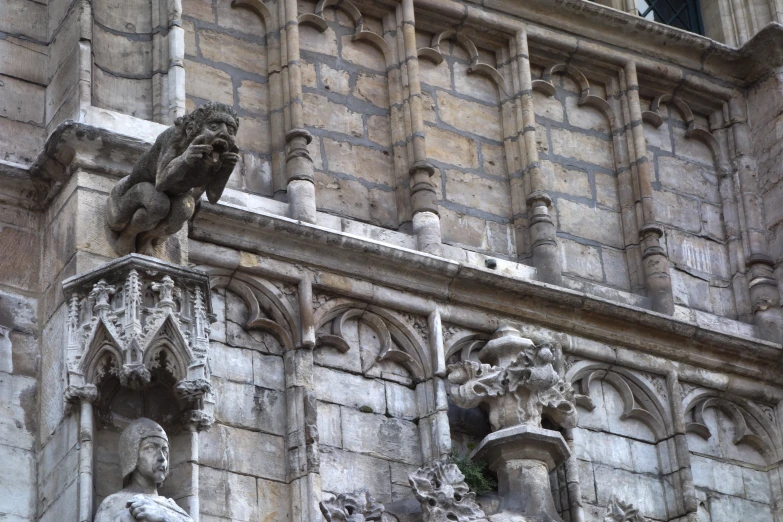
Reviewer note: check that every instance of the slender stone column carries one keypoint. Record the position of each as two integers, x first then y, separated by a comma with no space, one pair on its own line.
84,396
654,259
543,233
424,200
762,283
298,163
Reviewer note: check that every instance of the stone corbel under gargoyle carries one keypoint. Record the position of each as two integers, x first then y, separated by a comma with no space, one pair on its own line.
137,325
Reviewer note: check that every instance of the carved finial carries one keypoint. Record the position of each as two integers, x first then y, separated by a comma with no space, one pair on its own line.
167,292
517,379
444,495
618,511
100,294
358,506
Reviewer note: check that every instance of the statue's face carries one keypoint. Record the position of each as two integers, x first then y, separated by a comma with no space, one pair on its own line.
220,131
153,459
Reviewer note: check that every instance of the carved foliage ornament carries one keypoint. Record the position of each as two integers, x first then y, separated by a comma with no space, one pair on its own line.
618,511
133,316
444,495
358,506
517,380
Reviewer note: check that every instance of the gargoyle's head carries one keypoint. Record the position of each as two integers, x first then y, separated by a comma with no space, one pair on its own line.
214,124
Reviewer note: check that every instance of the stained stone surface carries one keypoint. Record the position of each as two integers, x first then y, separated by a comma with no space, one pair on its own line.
404,181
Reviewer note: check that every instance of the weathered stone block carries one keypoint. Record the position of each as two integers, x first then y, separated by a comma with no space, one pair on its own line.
349,390
237,52
208,83
372,88
583,147
311,40
472,117
365,163
680,211
249,406
401,401
435,75
585,117
242,451
566,180
330,424
450,148
362,53
125,95
254,135
18,396
268,371
474,191
590,222
22,101
345,471
274,501
547,107
227,494
321,113
380,436
688,178
474,85
647,491
254,96
17,489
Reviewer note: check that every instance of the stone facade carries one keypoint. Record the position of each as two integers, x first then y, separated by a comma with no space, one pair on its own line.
545,235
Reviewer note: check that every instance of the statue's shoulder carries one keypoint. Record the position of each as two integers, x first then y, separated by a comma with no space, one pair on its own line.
114,508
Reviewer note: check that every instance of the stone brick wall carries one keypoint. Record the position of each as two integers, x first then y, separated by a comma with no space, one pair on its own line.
226,61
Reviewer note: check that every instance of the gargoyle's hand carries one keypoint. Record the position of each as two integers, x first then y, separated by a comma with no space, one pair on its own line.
145,510
197,150
229,158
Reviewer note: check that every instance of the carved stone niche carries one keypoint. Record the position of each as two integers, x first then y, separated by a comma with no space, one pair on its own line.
137,342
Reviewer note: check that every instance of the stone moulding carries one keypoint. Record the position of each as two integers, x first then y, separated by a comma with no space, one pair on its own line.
135,313
441,279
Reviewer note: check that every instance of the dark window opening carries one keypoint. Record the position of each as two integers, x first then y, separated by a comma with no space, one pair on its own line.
683,14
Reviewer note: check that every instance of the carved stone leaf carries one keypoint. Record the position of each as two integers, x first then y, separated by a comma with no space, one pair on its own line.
472,382
358,506
444,495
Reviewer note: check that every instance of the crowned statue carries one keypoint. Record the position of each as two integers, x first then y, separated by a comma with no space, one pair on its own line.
144,461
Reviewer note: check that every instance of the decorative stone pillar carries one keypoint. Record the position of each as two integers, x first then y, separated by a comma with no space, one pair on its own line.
762,283
519,382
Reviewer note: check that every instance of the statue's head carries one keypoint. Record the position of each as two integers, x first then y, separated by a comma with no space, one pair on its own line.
144,449
214,123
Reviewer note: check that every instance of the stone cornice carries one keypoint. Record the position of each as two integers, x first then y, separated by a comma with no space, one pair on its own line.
627,34
451,286
73,145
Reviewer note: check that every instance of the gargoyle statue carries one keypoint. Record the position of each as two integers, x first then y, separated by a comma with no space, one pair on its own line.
160,195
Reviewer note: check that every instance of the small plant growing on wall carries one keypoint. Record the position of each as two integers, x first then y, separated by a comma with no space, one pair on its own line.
476,476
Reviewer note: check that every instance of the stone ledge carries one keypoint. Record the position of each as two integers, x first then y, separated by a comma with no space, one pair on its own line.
443,280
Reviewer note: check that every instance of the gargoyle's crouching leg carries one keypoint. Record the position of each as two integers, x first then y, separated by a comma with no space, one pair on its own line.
135,210
181,210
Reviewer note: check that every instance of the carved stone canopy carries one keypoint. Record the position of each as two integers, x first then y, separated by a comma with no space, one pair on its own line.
136,315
